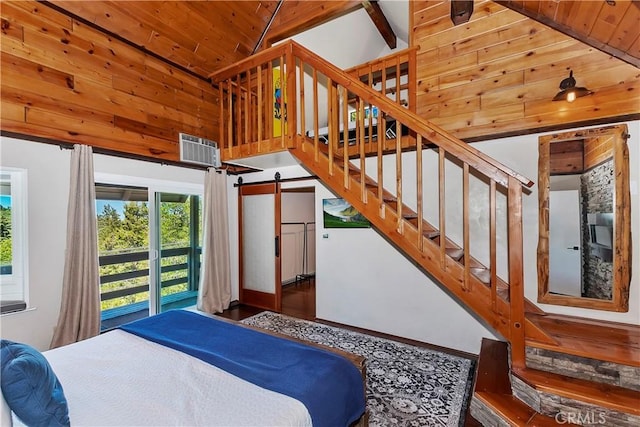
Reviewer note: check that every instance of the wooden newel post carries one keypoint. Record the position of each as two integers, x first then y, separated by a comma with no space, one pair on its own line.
516,274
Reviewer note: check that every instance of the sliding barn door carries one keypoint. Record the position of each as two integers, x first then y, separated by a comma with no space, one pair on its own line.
259,213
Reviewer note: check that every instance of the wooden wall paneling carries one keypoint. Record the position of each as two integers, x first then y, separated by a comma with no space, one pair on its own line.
73,83
34,12
507,34
594,61
498,122
12,111
527,44
488,83
566,157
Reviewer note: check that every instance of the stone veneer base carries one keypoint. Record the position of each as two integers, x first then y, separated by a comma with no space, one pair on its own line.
584,368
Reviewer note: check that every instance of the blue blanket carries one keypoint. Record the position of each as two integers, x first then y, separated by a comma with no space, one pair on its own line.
329,385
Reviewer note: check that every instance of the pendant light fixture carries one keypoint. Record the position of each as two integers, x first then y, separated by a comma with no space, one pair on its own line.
568,90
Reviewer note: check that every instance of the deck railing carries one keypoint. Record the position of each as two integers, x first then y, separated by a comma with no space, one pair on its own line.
181,263
460,215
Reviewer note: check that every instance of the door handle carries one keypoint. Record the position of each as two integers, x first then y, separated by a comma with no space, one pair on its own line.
277,246
575,248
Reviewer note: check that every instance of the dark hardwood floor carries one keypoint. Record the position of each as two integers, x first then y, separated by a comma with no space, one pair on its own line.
298,300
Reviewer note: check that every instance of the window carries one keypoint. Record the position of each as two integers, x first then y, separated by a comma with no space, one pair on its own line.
13,239
149,247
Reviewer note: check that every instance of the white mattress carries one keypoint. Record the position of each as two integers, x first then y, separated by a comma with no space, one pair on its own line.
119,379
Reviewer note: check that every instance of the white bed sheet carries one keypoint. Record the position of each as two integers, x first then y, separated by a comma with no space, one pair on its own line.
119,379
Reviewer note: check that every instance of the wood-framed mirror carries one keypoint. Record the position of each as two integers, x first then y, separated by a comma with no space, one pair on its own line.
584,244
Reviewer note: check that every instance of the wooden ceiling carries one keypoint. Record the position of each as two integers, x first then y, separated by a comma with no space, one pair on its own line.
203,36
611,26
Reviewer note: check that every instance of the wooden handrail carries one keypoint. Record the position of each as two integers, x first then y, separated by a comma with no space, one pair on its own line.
434,134
253,61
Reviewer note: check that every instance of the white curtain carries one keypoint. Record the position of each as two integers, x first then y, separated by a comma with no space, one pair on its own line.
214,294
80,307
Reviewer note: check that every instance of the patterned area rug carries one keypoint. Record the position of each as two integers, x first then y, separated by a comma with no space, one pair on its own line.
406,385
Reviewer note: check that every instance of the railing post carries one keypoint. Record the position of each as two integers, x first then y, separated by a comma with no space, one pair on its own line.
516,274
291,96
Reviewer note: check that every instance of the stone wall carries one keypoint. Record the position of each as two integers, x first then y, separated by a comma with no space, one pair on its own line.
597,188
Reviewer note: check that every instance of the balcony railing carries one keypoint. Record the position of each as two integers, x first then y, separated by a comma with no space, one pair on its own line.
180,289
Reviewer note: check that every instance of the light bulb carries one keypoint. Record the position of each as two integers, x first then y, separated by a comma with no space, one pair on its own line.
571,96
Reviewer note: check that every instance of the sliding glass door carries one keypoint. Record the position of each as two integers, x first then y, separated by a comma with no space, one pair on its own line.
180,247
149,245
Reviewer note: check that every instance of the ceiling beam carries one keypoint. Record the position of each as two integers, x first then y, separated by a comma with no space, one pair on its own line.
461,11
382,24
288,23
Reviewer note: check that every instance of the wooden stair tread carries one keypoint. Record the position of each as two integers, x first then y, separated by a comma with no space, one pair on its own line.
599,394
483,274
590,338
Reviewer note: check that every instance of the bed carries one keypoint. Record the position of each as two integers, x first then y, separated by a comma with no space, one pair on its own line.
185,368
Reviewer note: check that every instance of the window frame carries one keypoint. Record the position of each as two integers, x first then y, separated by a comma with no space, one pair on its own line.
17,283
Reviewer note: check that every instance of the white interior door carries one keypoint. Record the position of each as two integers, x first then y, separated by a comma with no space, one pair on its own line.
565,251
260,246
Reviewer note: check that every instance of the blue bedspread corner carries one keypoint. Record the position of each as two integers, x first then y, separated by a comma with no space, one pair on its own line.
329,385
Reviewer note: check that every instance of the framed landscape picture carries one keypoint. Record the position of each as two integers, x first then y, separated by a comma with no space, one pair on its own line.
338,213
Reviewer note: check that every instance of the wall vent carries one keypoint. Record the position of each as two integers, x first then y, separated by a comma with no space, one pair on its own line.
202,151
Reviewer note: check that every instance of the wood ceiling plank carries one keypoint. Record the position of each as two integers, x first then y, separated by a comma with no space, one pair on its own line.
297,16
583,16
627,32
608,20
107,15
548,9
564,12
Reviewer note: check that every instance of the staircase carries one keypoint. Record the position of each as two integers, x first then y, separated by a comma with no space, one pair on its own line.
439,233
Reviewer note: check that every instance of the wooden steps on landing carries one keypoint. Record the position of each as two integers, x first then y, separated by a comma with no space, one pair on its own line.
590,338
493,402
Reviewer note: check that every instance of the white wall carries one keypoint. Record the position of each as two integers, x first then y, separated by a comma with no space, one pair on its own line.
48,190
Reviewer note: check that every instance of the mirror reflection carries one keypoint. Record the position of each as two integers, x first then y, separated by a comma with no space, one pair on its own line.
584,243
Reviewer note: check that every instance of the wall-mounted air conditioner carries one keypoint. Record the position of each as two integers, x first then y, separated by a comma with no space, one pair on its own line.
202,151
